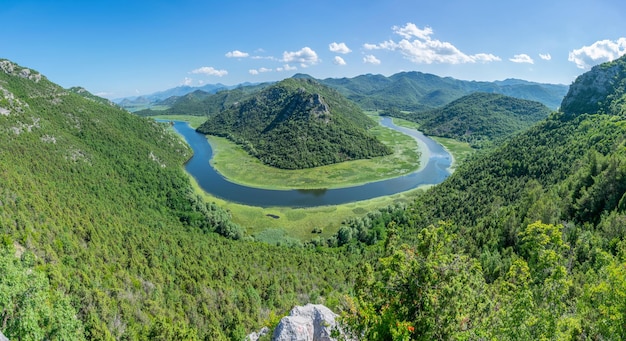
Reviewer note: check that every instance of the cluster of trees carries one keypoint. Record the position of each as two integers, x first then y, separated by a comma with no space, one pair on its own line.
296,124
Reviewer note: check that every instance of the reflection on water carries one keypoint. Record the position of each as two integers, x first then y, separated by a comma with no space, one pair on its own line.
316,192
435,168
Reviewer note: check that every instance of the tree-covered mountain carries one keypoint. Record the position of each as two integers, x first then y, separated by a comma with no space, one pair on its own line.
297,123
103,238
415,91
526,242
479,118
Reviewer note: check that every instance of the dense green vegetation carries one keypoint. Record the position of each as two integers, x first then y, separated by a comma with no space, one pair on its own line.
296,124
526,242
111,242
479,118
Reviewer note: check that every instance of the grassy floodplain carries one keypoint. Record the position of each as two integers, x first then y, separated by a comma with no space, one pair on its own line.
285,224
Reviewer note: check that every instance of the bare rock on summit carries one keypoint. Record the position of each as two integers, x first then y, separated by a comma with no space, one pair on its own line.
312,322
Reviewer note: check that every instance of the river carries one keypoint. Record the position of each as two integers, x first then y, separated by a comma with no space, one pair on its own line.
435,168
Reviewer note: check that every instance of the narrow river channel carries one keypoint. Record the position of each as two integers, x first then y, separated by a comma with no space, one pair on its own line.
435,168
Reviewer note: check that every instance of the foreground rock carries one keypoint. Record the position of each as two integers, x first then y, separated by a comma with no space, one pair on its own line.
312,322
3,338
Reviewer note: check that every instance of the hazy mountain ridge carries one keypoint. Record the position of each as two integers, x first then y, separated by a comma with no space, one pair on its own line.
297,123
414,90
201,103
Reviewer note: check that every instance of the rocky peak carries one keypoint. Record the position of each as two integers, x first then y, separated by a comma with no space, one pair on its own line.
13,69
594,91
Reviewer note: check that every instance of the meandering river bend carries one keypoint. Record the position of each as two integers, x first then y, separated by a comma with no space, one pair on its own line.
435,168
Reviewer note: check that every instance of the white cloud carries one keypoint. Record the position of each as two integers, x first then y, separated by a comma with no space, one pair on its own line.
286,67
522,58
339,61
411,30
187,81
419,47
306,57
264,57
210,71
546,56
260,70
237,54
370,59
339,48
598,52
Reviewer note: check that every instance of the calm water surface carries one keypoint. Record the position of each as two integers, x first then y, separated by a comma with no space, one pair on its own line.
435,168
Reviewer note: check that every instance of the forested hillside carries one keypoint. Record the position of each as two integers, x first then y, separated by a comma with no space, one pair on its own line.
102,237
525,243
296,124
479,118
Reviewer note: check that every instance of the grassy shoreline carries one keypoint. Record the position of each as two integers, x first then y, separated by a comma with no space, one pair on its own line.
238,166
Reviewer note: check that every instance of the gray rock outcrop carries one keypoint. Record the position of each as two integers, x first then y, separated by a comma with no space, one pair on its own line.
3,338
312,322
257,335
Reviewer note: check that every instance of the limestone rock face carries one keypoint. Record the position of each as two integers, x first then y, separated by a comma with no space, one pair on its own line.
312,322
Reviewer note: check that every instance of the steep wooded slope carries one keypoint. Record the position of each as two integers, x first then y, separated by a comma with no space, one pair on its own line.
527,242
298,123
102,237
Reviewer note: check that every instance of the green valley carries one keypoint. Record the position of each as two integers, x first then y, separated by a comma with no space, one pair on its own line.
104,236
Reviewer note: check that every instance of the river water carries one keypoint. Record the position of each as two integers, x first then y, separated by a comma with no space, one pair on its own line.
435,168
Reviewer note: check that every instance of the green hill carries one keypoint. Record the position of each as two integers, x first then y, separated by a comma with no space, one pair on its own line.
526,242
480,118
103,238
297,123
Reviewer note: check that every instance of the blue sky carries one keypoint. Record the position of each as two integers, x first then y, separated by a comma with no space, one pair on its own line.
125,48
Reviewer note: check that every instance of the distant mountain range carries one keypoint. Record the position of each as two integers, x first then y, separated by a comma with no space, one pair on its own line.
413,91
407,91
145,101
